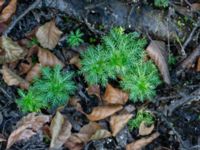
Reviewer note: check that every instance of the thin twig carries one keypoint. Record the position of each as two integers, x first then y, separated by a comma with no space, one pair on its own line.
14,22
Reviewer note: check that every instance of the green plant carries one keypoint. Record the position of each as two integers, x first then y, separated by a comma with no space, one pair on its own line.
142,116
74,38
161,3
51,90
172,59
33,42
121,55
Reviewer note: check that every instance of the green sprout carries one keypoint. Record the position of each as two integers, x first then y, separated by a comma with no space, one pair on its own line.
74,38
51,90
142,116
33,42
172,59
161,3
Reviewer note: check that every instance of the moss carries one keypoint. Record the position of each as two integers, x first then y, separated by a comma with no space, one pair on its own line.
75,38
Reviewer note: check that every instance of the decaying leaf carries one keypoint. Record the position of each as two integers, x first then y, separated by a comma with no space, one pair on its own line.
8,11
145,130
75,102
48,35
117,122
24,67
13,79
34,72
94,90
46,58
115,96
27,127
101,134
90,128
60,130
198,64
10,51
75,61
102,112
156,50
2,138
139,144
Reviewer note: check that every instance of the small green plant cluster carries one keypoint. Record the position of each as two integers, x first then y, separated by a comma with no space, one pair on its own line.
74,38
121,56
51,90
142,116
161,3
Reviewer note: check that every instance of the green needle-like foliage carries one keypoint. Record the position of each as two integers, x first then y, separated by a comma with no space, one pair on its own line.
161,3
51,90
141,116
74,38
121,55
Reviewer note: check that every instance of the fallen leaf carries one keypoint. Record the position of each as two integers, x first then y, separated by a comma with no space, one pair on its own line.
156,50
94,90
1,3
27,127
2,138
139,144
75,61
115,96
117,122
8,11
3,26
24,67
195,7
60,130
46,58
198,64
48,35
101,134
13,79
10,51
102,112
75,102
145,130
34,72
90,128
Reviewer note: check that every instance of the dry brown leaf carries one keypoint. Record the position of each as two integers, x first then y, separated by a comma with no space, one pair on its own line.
25,67
46,58
117,122
3,27
115,96
60,130
75,102
156,50
13,79
75,61
198,64
8,11
145,130
195,7
34,72
48,35
2,138
1,3
27,127
10,50
102,112
101,134
94,90
90,128
139,144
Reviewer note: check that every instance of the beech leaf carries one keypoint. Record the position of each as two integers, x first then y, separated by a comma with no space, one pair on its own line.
101,134
48,35
75,61
13,79
10,51
8,11
60,129
102,112
145,130
139,144
115,96
46,58
34,72
2,138
156,50
27,127
117,122
94,90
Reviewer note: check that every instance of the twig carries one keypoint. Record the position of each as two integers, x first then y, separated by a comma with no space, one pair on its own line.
14,22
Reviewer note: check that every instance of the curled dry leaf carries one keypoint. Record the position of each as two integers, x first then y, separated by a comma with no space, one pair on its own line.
115,96
102,112
60,129
8,11
27,127
13,79
101,134
156,50
10,51
117,122
75,61
34,72
198,65
145,130
46,58
48,35
94,90
139,144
